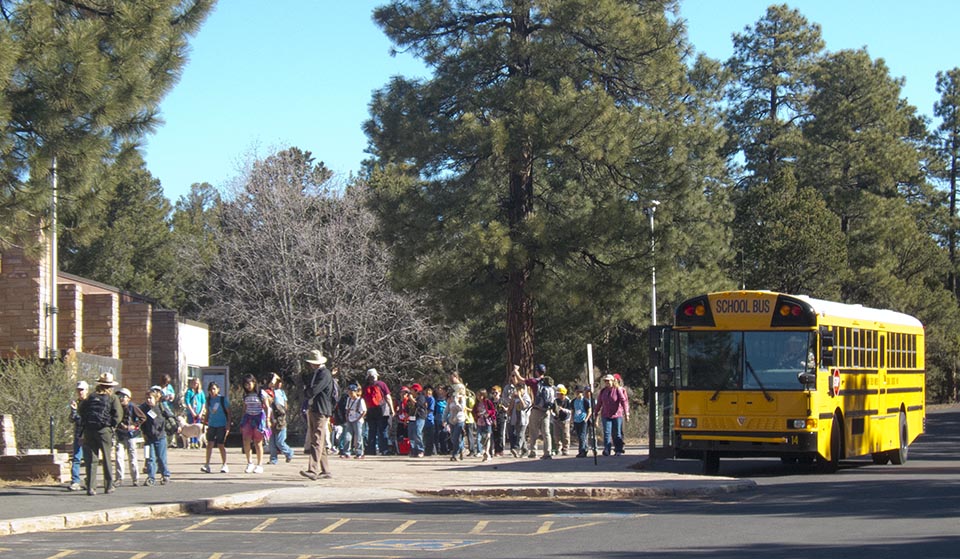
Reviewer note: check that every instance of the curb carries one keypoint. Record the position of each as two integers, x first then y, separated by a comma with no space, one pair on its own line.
130,514
598,493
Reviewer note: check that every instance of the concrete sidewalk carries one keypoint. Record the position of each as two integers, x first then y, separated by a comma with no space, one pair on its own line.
31,508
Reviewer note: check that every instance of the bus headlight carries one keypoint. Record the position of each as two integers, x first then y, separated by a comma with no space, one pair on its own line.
808,423
688,422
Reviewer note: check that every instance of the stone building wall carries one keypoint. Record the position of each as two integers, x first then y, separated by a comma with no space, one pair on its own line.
22,316
136,333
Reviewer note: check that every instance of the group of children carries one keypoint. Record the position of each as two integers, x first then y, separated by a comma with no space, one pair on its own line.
453,420
106,421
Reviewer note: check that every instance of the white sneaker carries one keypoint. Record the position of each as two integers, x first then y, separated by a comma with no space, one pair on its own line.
249,468
224,469
258,470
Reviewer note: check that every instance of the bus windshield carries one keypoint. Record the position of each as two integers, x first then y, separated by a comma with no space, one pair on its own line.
744,360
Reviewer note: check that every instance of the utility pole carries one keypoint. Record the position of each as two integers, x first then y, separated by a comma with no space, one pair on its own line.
52,349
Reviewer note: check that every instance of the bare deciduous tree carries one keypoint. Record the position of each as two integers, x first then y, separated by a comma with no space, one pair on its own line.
300,268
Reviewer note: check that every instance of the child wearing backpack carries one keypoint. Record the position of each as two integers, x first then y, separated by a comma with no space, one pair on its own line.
127,434
217,417
454,417
255,423
154,437
485,416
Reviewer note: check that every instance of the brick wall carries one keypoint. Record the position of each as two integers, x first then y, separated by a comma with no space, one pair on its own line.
21,305
165,346
69,317
135,346
101,320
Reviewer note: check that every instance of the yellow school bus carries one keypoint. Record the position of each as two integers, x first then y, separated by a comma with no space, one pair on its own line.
758,373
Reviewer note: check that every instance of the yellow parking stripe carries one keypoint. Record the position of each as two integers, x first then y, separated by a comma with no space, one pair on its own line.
401,528
140,555
200,524
263,525
329,529
479,527
63,553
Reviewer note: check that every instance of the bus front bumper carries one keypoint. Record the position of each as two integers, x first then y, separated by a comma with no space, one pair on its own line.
747,444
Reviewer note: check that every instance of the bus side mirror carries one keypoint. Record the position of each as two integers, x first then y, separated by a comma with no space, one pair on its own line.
808,379
826,348
660,347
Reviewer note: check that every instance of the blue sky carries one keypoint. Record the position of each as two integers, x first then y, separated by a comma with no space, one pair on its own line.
268,75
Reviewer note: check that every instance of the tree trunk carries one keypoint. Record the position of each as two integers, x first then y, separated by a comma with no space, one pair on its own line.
520,206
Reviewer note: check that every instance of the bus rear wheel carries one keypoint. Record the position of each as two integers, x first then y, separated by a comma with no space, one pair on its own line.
899,456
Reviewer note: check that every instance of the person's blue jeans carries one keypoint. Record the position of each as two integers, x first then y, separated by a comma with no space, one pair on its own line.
612,435
76,460
158,453
581,429
352,442
278,445
429,438
415,432
456,439
378,434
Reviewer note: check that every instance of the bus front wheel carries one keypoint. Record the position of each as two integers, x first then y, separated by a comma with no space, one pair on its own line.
899,456
830,466
711,463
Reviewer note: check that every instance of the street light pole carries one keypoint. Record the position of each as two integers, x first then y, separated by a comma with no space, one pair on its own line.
649,211
656,415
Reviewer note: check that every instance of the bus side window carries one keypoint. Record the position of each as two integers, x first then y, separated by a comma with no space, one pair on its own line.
827,342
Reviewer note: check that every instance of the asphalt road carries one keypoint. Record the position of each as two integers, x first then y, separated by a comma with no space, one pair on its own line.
864,510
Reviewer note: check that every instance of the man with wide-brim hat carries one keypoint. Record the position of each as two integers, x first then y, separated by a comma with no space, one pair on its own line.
320,391
101,412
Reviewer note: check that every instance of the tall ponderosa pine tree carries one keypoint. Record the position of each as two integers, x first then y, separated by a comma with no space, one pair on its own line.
79,78
196,225
773,62
513,181
947,138
131,246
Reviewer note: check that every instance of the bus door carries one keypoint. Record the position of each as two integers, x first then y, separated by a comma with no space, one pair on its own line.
661,400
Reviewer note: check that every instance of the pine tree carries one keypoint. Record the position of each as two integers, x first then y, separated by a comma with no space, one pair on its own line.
947,137
773,61
512,182
196,225
132,246
79,79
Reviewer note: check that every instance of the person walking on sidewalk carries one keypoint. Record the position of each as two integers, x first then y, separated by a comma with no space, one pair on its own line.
195,401
610,404
278,410
520,406
77,455
540,416
561,422
454,418
155,438
356,410
254,425
582,415
376,395
168,397
485,416
217,416
101,413
127,434
321,393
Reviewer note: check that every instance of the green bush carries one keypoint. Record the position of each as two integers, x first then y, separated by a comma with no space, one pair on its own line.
32,391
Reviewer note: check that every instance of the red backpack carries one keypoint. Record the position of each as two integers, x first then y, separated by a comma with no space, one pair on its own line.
373,395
